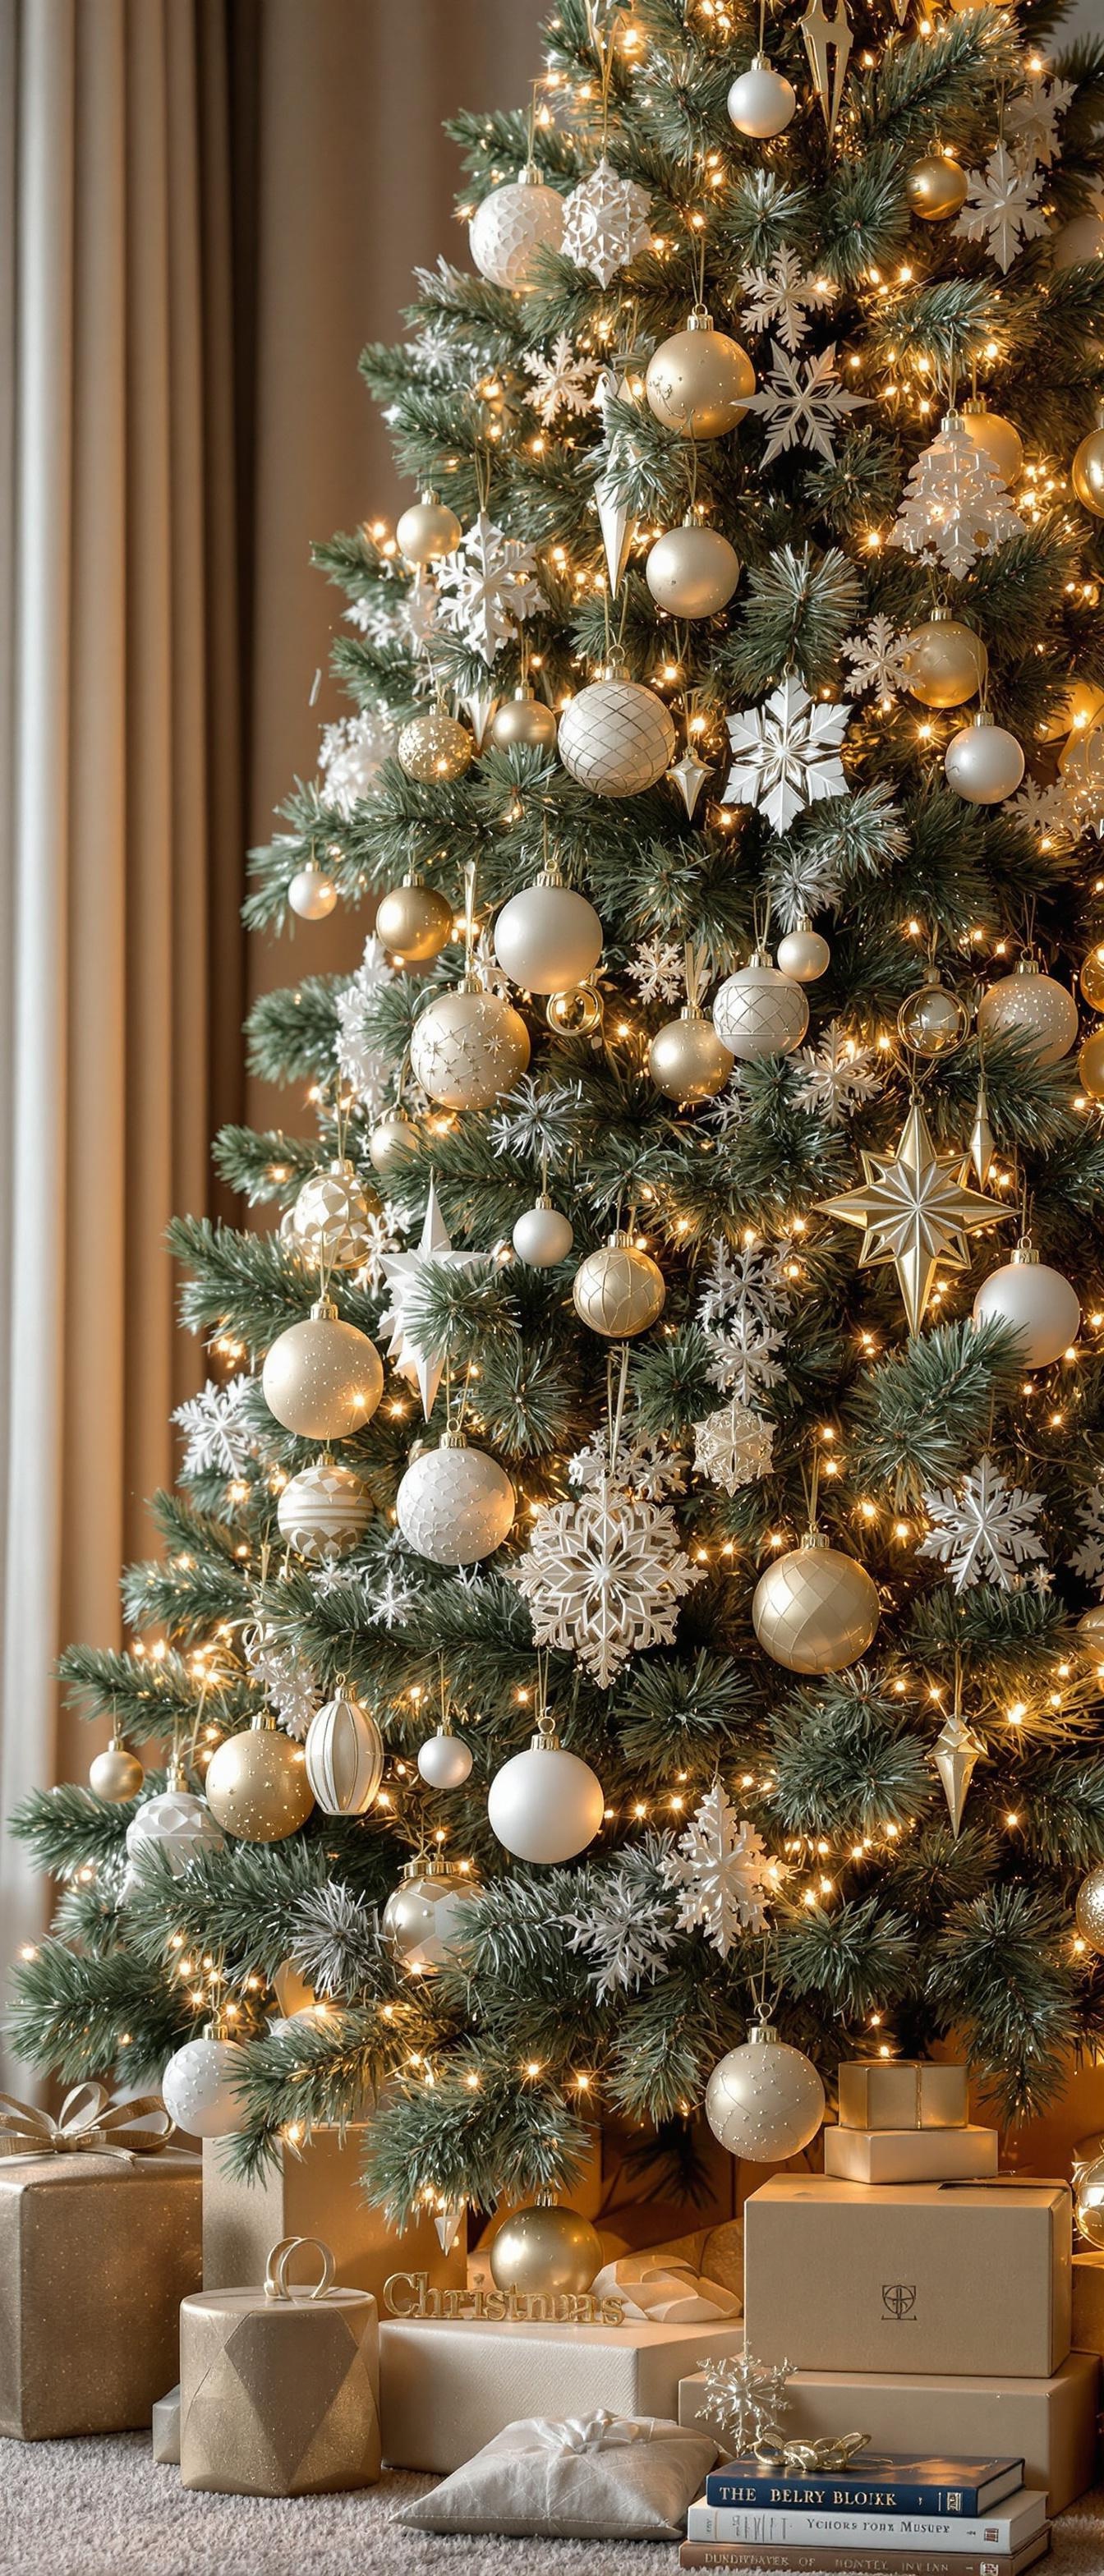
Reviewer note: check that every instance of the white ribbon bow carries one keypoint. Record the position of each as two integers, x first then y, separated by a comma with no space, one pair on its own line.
600,2432
666,2292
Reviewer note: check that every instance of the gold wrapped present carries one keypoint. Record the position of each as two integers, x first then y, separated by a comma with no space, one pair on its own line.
902,2093
99,2242
279,2386
315,2189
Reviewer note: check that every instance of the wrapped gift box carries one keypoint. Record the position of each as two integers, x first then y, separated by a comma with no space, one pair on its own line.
449,2384
910,2155
96,2253
947,2278
1051,2422
902,2093
279,2385
1088,2303
313,2191
166,2429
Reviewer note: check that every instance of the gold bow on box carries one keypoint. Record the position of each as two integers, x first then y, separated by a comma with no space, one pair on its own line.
90,2123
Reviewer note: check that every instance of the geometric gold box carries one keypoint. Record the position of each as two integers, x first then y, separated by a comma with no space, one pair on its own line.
315,2192
279,2396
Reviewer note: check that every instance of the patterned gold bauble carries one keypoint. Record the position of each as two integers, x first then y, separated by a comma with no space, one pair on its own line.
329,1221
423,1918
1091,979
413,921
116,1773
1033,1007
815,1610
1090,1909
469,1047
944,662
257,1785
1087,471
526,720
545,2252
323,1511
932,1021
699,382
434,748
1090,1066
322,1378
618,1290
392,1142
686,1059
998,439
936,188
692,571
427,529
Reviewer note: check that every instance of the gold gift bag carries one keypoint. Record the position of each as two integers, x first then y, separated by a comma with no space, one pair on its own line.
279,2386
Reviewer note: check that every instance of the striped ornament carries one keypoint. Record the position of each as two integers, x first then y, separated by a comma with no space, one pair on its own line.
344,1753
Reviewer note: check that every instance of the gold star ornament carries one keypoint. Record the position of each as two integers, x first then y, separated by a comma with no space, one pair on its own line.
915,1210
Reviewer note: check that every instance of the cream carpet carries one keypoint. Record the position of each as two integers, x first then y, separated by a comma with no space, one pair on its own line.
103,2508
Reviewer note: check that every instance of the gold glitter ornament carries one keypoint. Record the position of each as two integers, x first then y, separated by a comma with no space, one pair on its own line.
765,2100
699,382
686,1059
468,1047
545,2252
322,1378
433,749
1089,1909
936,188
618,1290
943,662
413,921
257,1785
814,1609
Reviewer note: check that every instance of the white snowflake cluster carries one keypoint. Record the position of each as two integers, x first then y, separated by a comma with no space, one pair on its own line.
1088,1557
638,1468
604,1577
840,1075
605,224
876,660
742,1311
350,755
803,403
985,1530
365,1066
786,754
1046,812
384,1229
277,1663
955,505
781,299
1002,207
487,587
218,1439
562,381
723,1874
1031,119
629,1925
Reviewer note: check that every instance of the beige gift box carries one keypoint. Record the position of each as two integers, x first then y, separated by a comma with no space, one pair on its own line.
948,2278
1088,2302
902,2093
451,2383
315,2190
910,2155
96,2253
1050,2423
279,2386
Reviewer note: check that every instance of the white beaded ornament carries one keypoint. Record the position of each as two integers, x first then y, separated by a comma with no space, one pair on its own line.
765,2100
196,2087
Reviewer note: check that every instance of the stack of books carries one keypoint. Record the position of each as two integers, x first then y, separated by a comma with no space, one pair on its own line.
883,2516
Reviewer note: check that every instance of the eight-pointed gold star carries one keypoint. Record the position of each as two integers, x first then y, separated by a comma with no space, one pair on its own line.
915,1210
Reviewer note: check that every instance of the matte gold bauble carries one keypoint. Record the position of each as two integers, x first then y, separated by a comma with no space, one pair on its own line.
932,1021
1090,1065
699,382
1087,471
468,1047
1089,1909
115,1774
686,1059
392,1142
814,1609
434,748
1091,979
997,438
322,1378
413,921
692,571
618,1290
526,720
257,1785
1033,1007
545,2252
944,662
936,188
427,529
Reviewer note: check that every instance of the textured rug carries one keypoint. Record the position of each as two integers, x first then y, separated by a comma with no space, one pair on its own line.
103,2508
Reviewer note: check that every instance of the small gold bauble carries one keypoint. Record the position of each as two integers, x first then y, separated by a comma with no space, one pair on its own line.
526,720
428,528
1090,1065
814,1609
322,1378
545,2251
392,1142
116,1773
434,748
618,1290
699,382
686,1059
936,187
413,921
692,571
574,1014
932,1021
1091,979
257,1785
1090,1909
944,662
997,438
1087,472
1090,1626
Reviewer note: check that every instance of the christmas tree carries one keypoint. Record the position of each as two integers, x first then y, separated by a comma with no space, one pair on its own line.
704,1142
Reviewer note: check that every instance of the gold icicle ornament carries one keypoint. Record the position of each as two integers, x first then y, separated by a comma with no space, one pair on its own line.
825,38
956,1754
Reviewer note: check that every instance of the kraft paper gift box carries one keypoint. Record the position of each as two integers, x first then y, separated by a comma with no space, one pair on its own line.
902,2093
1050,2423
279,2385
315,2190
910,2155
450,2384
948,2278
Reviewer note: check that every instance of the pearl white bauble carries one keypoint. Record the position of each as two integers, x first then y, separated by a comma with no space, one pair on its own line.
444,1761
814,1609
344,1757
616,738
312,894
392,1142
510,227
434,748
1034,1008
197,2088
542,1236
547,938
760,1012
765,2101
761,102
427,529
618,1290
1078,242
455,1504
1036,1302
803,955
699,382
545,1805
115,1774
692,571
983,763
943,662
423,1918
413,921
468,1048
329,1221
322,1378
998,439
686,1059
323,1510
174,1824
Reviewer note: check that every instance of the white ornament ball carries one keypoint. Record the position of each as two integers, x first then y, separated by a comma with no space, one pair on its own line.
468,1048
616,738
542,1236
545,1805
196,2087
765,2101
510,227
759,1012
692,571
344,1757
329,1221
444,1761
427,529
1078,242
323,1511
815,1610
175,1824
983,763
312,894
547,938
322,1378
803,954
455,1504
761,102
1034,1008
393,1140
1036,1302
423,1918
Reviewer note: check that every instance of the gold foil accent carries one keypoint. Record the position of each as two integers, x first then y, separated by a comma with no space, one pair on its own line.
408,2294
96,2252
279,2388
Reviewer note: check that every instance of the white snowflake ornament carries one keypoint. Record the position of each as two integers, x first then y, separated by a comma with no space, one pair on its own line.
1031,120
781,298
956,505
803,403
786,754
606,222
365,1066
603,1578
1088,1557
656,969
562,381
723,1873
628,1928
840,1075
1001,207
218,1440
288,1682
876,660
984,1529
734,1446
350,755
486,587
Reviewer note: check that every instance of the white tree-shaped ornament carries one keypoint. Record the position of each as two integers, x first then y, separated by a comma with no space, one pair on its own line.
606,222
722,1873
956,505
604,1576
786,754
984,1530
486,587
803,404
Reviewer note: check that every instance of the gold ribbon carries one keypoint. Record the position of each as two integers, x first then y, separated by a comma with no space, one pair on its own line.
90,2123
804,2459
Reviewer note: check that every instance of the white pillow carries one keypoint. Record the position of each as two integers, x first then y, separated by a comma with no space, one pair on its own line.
605,2477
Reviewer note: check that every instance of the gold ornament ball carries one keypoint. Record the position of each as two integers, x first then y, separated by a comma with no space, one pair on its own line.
692,571
1088,2201
618,1290
545,2252
468,1048
699,382
1087,472
936,188
944,662
526,720
434,749
257,1785
576,1013
997,438
686,1059
932,1021
815,1610
116,1773
413,921
322,1378
426,529
1089,1909
1091,979
1090,1626
392,1142
1090,1065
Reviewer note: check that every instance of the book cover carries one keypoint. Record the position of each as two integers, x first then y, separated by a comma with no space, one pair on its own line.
765,2561
877,2482
1003,2532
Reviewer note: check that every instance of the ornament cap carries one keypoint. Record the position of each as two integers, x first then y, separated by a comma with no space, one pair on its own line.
812,1538
982,721
699,319
176,1776
1025,1256
763,2035
453,1440
324,1311
692,1011
435,1868
1028,966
